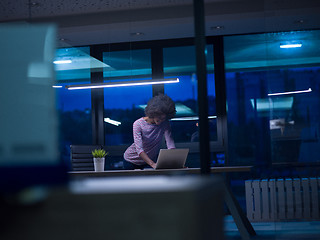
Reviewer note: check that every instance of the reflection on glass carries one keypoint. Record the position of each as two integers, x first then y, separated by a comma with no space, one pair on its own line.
74,64
122,104
269,104
127,64
273,104
180,62
74,107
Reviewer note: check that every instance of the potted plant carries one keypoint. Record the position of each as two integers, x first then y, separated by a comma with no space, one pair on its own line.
99,159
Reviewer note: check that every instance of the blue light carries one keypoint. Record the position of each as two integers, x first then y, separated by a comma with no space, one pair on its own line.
291,45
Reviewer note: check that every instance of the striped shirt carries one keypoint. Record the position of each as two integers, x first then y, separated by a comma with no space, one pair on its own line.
147,138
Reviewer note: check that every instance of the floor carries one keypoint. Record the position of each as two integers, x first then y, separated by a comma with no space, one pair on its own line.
293,230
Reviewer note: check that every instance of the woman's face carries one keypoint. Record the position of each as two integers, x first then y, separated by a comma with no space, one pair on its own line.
159,119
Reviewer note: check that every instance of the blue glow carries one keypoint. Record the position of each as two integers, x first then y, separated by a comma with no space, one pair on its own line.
268,104
291,45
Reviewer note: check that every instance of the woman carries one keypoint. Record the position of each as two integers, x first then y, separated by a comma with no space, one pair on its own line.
148,132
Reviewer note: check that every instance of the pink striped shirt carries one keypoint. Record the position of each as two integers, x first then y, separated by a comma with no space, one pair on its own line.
147,138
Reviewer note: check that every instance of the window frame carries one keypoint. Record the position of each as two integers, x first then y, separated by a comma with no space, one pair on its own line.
97,97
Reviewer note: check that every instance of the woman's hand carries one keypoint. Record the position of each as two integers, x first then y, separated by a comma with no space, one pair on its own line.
145,158
153,165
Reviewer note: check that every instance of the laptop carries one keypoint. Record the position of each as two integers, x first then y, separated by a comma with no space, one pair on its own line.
172,158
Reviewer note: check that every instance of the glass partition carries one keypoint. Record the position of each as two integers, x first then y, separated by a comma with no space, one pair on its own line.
73,66
273,83
124,105
180,62
273,103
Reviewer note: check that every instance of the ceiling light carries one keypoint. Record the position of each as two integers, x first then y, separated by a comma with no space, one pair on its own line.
190,118
62,61
290,45
123,83
57,86
293,92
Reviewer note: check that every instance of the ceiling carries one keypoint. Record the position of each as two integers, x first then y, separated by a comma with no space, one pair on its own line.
84,22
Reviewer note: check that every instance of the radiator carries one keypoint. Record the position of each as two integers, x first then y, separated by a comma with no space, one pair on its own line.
282,199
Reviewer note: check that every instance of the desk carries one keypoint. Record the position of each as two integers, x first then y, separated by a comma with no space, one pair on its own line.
118,173
120,208
244,226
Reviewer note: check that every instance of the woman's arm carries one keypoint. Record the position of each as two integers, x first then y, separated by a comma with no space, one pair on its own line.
168,136
145,158
137,136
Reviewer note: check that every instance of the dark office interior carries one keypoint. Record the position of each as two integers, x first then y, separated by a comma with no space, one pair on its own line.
248,109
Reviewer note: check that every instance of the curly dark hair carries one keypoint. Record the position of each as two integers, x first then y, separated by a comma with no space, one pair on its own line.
160,104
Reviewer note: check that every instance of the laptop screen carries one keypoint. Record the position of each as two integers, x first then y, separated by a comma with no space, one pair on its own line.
172,158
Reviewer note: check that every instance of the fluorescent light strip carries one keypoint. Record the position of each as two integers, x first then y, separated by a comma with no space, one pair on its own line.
190,118
62,61
113,122
293,92
56,86
123,84
294,45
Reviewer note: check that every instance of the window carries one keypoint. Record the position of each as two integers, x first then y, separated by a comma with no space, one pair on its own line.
180,62
124,105
273,97
74,106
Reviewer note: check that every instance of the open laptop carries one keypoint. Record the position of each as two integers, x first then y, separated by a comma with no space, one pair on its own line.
172,158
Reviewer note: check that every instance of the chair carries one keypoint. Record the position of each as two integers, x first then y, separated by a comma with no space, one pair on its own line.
81,157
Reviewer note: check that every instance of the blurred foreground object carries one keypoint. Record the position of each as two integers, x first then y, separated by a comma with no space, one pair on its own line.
136,208
28,123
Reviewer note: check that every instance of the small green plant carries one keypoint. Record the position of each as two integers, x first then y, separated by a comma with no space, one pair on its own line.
99,153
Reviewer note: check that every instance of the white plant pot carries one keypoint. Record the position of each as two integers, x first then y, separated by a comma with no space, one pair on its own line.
98,164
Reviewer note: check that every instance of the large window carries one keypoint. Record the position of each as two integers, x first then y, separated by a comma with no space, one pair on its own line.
180,62
273,83
124,105
73,66
269,119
